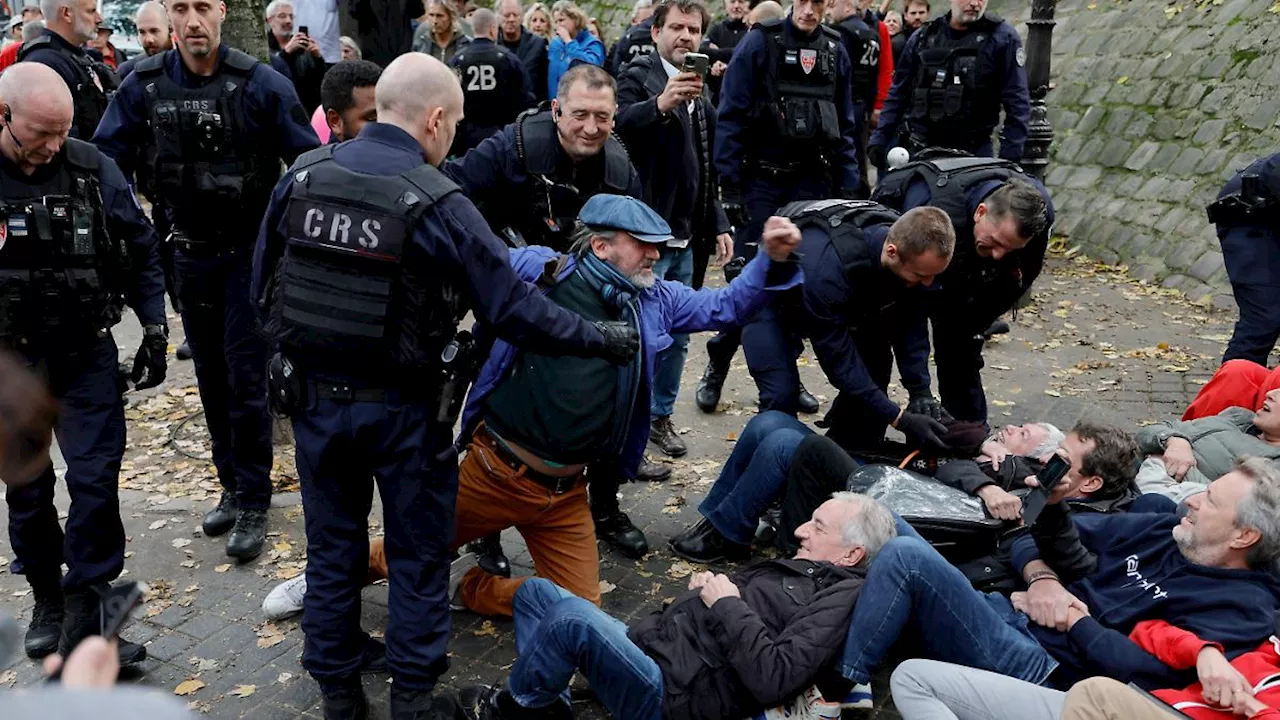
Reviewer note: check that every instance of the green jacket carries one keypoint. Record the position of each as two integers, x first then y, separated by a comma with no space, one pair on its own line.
1215,441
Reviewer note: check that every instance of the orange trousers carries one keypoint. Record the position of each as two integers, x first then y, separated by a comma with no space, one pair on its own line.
557,529
1238,383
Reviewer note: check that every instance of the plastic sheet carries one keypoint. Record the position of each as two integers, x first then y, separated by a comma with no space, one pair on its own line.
915,496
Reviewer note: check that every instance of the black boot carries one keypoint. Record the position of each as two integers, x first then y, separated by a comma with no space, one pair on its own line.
490,556
663,434
46,620
808,404
421,705
653,472
704,544
489,702
707,396
375,657
183,352
246,538
344,700
221,519
82,617
615,528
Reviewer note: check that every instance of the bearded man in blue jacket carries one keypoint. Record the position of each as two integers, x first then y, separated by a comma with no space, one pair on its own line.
1091,578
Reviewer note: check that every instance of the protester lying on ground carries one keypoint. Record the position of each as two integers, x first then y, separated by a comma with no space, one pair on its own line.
1249,685
1238,383
1182,457
729,648
1209,573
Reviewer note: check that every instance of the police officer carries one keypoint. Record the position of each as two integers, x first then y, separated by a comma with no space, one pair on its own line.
374,386
1246,215
866,40
68,26
531,179
786,132
1002,220
74,249
636,41
494,83
956,73
219,123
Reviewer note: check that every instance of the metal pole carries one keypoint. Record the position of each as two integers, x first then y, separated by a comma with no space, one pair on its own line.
1035,154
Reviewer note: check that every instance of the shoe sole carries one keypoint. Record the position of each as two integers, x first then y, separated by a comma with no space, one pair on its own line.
41,653
704,561
671,453
244,557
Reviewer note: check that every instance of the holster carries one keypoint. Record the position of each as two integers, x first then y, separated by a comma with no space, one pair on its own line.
286,390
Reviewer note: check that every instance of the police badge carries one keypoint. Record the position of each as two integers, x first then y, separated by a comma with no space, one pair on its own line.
808,58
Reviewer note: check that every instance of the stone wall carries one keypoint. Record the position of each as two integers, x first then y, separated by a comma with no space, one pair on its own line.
1155,104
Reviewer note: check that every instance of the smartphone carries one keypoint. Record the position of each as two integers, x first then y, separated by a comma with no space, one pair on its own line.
302,29
696,63
1033,502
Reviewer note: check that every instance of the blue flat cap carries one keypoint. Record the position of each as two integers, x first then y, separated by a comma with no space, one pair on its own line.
619,212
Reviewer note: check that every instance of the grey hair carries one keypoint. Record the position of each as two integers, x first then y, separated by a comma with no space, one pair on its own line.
275,6
871,528
32,30
641,5
1052,441
348,41
50,7
580,241
1260,509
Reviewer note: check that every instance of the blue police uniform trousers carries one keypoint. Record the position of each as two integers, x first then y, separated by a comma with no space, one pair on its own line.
1252,257
91,436
343,447
957,356
762,197
230,361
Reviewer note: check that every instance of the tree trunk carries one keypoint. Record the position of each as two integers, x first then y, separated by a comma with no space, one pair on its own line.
246,27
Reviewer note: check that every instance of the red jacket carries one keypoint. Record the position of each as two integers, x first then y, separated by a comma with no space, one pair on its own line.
886,66
9,55
1179,649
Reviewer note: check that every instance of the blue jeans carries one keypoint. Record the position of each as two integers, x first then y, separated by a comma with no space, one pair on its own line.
558,633
910,583
676,265
754,475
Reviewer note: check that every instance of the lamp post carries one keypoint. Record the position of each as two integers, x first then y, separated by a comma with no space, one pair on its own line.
1035,154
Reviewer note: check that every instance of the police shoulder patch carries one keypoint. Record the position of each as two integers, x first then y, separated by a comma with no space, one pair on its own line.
1020,55
299,115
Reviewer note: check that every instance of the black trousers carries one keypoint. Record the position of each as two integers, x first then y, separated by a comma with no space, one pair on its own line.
818,468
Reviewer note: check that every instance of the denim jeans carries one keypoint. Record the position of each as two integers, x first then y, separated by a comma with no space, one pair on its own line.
754,475
909,582
558,633
676,265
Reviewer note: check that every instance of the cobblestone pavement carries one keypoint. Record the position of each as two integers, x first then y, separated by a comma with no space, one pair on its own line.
1092,344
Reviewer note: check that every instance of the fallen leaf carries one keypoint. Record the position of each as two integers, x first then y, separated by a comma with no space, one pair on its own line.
1053,393
203,664
244,691
8,677
186,687
188,564
270,641
680,569
607,587
284,677
731,437
157,524
222,568
487,628
180,542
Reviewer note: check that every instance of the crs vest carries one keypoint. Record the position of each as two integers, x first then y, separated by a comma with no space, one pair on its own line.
845,222
207,168
553,203
352,291
863,42
635,42
952,102
94,85
801,86
480,69
62,276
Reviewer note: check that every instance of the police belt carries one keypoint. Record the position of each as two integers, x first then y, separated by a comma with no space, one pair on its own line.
192,246
333,390
785,169
503,454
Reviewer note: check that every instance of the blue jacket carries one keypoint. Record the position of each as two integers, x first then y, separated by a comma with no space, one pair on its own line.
1003,59
1140,574
666,308
451,234
745,131
585,48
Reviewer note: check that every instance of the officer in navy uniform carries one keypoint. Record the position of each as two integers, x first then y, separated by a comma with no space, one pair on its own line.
74,249
787,132
61,47
220,123
1247,216
530,180
636,41
955,74
494,82
860,34
367,261
1002,219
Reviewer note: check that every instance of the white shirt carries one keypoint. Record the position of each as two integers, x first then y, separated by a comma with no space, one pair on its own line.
321,19
673,71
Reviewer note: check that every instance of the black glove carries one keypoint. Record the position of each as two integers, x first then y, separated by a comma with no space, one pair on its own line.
923,403
152,360
923,431
876,155
621,341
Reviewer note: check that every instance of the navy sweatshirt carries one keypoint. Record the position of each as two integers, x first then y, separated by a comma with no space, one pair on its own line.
1140,574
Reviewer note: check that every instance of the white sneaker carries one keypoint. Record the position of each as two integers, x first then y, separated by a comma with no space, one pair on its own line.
810,705
859,698
285,599
457,570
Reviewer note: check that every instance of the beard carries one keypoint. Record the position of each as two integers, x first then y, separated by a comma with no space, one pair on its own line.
644,279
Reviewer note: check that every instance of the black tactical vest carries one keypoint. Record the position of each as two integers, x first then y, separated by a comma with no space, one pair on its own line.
801,86
863,42
62,276
953,104
845,222
352,291
95,84
553,204
635,42
480,71
207,168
